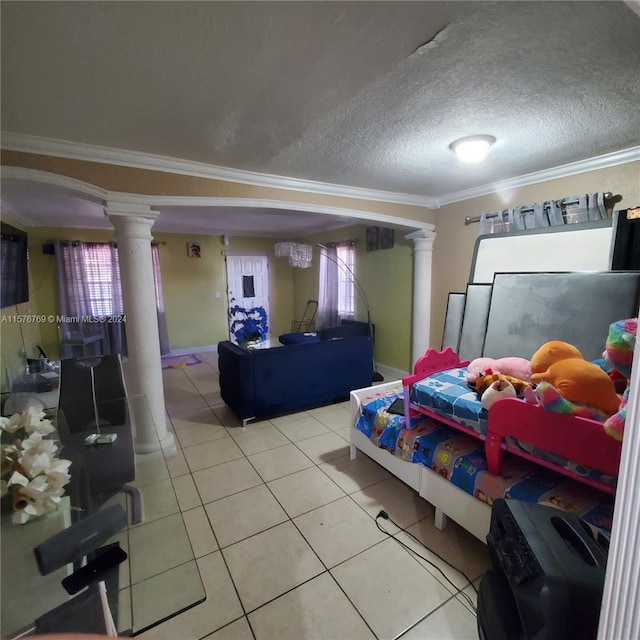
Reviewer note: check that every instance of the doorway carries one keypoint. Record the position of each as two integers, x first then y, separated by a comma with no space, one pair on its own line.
247,283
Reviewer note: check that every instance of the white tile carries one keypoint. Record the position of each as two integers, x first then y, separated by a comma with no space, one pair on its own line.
186,492
260,440
186,405
334,418
199,434
145,561
279,462
225,415
305,490
452,621
289,417
345,434
165,594
389,588
244,514
457,546
221,606
226,479
197,416
177,465
200,532
210,454
158,500
238,630
150,468
317,609
303,427
323,448
270,563
354,475
402,503
213,399
338,531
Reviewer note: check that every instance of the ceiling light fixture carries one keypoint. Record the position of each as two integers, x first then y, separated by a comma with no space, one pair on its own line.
472,149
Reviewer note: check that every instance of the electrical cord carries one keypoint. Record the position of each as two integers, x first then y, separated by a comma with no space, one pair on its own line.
468,604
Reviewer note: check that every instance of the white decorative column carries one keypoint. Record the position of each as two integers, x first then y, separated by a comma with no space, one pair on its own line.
422,259
133,224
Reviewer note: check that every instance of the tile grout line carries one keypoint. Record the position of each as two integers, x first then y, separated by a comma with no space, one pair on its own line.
291,519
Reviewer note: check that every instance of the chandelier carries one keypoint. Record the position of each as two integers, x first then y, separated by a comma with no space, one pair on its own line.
299,255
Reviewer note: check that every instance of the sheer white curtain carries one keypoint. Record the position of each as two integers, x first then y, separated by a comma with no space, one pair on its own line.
327,315
336,291
89,288
162,320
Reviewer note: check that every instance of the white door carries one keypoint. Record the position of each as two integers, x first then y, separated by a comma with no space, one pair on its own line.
247,283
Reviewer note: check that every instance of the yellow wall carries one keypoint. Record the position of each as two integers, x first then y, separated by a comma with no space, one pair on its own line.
453,247
195,317
386,279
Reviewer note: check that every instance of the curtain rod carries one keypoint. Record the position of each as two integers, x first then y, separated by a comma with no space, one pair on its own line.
609,201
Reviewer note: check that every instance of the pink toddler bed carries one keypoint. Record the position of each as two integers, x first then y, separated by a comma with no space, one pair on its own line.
574,446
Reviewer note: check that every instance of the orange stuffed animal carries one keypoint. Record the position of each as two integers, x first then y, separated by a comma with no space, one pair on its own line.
551,352
580,381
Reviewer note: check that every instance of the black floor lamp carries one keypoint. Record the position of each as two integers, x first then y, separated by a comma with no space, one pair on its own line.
300,255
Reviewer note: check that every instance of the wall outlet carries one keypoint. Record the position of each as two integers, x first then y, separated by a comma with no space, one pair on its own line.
217,294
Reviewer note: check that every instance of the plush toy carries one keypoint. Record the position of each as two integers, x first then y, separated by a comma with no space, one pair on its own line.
581,382
484,382
619,355
498,390
552,352
514,366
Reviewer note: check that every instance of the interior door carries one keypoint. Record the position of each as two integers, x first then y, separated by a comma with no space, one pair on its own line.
248,281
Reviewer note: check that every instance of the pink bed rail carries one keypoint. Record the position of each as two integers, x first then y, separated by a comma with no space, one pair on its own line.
580,440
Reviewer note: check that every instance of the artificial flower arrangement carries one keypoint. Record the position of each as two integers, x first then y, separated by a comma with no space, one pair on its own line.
248,325
31,472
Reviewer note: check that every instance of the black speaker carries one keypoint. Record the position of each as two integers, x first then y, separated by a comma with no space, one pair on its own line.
79,539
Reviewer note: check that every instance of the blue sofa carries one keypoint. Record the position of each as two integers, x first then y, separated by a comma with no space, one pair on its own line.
265,382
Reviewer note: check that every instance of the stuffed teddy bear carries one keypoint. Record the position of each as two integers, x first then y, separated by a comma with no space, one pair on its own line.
513,366
581,382
619,355
551,352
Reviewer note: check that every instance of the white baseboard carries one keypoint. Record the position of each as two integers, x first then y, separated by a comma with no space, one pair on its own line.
189,350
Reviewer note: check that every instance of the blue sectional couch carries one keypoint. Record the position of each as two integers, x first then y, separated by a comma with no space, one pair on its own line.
266,382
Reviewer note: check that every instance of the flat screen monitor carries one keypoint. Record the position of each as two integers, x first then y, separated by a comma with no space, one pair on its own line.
14,278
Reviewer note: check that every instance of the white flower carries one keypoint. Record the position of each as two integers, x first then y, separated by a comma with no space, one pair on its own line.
34,464
35,443
18,478
34,420
12,424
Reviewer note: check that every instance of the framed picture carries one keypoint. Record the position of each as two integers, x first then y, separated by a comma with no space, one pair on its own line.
386,238
372,239
193,249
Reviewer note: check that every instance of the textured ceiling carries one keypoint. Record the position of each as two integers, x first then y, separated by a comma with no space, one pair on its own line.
366,94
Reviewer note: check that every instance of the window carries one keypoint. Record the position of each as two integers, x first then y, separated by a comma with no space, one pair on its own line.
92,279
346,290
102,277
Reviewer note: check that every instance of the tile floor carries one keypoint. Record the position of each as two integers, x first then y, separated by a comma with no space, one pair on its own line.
282,526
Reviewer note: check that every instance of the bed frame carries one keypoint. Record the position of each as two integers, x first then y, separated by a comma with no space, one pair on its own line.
448,500
580,440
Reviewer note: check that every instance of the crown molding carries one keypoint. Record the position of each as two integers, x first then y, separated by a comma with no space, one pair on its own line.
97,194
582,166
56,179
139,160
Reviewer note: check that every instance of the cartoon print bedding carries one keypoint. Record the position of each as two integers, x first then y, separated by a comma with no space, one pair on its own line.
460,459
446,394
